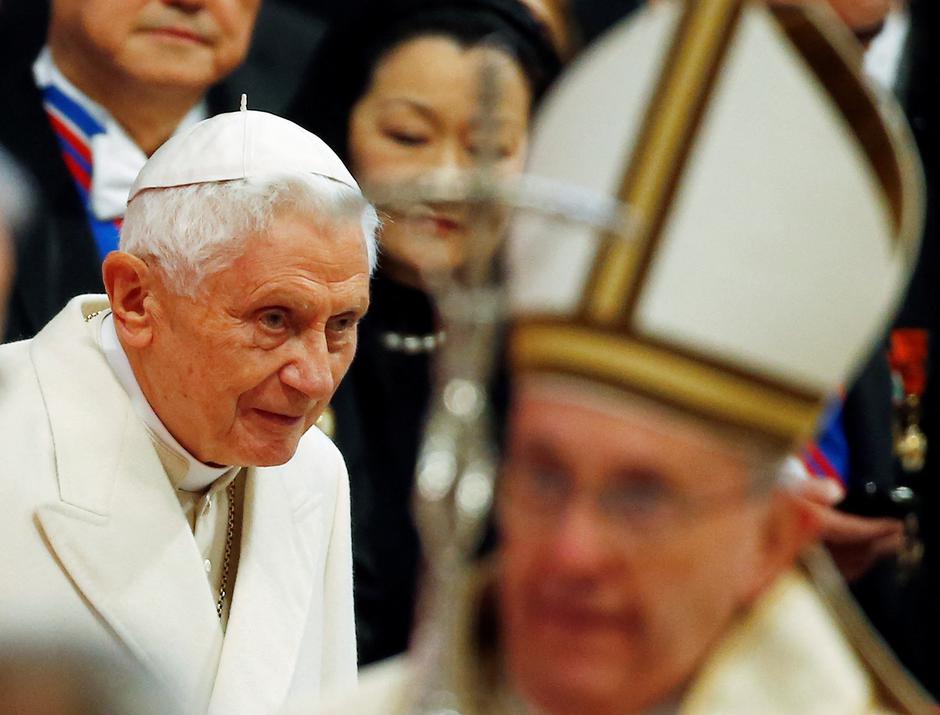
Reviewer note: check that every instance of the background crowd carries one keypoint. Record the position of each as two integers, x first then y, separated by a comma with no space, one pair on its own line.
392,86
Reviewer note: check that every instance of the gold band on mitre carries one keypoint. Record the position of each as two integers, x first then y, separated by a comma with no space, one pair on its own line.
671,121
783,414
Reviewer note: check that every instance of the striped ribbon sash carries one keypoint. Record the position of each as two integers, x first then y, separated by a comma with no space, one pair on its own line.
74,127
828,455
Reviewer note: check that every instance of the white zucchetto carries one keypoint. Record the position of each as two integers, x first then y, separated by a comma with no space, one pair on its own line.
239,145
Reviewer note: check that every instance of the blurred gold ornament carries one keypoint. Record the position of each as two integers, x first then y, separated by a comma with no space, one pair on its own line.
326,422
911,448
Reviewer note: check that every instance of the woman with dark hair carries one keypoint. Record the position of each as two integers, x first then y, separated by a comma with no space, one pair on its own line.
395,92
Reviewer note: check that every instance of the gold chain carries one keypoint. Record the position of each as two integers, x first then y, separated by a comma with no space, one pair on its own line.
229,534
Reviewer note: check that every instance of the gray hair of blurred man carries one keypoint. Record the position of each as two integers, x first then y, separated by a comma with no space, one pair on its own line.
195,230
16,208
769,466
16,193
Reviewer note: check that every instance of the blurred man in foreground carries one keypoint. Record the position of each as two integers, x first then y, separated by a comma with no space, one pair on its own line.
162,491
663,371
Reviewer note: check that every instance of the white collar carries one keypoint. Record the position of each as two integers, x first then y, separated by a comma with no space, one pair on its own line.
196,477
116,159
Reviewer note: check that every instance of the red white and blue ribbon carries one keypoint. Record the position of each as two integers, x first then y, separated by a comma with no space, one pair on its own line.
828,455
74,127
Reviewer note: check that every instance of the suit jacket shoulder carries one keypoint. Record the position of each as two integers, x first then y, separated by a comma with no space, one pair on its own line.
56,256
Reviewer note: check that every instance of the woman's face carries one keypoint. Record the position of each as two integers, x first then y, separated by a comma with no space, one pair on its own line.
420,120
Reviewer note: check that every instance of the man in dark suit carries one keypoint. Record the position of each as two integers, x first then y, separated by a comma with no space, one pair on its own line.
112,83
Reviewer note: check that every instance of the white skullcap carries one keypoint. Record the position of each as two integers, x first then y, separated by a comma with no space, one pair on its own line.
239,145
776,207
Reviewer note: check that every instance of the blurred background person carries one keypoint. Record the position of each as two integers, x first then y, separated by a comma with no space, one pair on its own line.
554,16
396,93
874,445
906,595
286,33
16,206
593,17
110,85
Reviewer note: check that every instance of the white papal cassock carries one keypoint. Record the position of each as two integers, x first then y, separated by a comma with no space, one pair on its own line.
94,544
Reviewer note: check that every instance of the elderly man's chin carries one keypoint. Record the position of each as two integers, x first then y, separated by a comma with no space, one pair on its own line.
266,439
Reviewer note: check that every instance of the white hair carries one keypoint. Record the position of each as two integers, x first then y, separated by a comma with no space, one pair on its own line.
195,230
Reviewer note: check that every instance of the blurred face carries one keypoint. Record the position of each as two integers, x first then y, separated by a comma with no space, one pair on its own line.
420,119
859,15
182,43
240,373
629,544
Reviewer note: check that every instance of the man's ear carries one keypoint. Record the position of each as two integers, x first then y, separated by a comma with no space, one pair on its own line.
129,283
789,526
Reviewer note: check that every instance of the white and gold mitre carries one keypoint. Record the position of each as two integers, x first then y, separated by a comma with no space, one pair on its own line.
773,201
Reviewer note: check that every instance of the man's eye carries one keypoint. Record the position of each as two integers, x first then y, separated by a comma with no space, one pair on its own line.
638,500
274,319
342,323
543,483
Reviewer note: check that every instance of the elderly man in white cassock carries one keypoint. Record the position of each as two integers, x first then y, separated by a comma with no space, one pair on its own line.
164,494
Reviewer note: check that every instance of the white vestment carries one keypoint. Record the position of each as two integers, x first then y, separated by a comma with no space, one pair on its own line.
792,653
95,547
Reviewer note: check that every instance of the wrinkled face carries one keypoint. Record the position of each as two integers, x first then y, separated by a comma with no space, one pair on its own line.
420,120
190,44
628,545
240,373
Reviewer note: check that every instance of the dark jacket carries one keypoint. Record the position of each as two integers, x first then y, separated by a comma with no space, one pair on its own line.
380,408
56,258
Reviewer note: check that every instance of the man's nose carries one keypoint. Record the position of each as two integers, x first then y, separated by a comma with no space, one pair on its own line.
186,5
581,547
309,369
